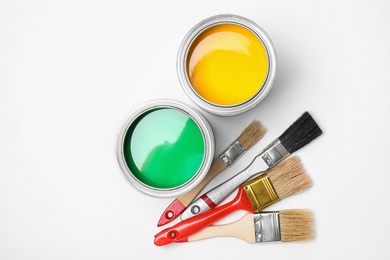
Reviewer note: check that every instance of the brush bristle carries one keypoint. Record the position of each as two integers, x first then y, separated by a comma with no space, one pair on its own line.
300,133
296,225
251,134
289,177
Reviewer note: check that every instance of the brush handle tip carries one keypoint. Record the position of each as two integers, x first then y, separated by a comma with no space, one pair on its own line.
171,212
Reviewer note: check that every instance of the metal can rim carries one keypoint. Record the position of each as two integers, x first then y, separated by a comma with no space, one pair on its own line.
182,73
207,133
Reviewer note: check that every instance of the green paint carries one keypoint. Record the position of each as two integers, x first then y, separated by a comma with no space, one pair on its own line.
164,148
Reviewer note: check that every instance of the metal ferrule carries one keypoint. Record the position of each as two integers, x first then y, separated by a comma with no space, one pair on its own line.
273,153
267,227
231,154
260,192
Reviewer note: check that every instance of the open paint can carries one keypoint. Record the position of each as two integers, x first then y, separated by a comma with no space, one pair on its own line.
164,148
226,64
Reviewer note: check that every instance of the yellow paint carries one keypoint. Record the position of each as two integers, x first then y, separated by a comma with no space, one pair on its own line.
227,64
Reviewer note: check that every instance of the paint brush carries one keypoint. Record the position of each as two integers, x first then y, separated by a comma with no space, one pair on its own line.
288,178
246,140
290,225
299,134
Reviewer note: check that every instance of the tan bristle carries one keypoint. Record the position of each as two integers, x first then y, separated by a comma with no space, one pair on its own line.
296,225
252,134
289,177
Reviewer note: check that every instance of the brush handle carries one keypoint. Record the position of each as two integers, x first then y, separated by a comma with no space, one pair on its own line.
244,229
192,225
217,167
213,197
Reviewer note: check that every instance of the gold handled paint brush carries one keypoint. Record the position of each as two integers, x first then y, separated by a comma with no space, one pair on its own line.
285,179
246,140
290,225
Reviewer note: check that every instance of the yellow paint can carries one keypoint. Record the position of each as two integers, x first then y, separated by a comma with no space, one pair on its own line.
226,64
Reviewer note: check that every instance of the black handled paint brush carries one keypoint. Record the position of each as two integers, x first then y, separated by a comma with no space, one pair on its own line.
246,140
290,225
299,134
286,179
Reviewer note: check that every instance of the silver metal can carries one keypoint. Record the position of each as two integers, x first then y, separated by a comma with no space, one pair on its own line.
164,148
213,107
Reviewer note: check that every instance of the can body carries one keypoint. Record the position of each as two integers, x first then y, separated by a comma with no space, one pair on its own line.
164,148
226,64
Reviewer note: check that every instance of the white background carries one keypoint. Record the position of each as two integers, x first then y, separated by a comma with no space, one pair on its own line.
71,70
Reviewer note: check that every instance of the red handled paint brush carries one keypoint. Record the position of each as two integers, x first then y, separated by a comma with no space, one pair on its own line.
290,225
288,178
299,134
246,140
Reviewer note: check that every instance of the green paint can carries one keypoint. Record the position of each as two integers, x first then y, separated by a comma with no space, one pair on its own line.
164,148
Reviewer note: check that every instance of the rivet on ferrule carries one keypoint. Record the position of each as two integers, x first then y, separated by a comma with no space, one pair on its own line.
231,154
